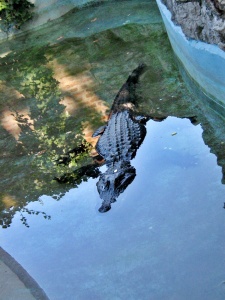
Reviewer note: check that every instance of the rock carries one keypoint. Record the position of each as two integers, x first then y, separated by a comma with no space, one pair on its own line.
220,4
202,20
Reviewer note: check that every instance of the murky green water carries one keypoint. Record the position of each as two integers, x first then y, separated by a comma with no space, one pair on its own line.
164,237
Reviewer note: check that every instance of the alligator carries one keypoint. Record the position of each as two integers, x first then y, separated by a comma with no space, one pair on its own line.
119,140
118,143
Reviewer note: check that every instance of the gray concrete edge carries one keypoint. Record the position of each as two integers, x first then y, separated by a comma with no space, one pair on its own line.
23,275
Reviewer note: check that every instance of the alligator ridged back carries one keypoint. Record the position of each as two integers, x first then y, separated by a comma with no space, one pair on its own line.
121,138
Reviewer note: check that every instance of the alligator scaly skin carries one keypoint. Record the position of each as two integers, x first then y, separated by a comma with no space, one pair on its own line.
121,138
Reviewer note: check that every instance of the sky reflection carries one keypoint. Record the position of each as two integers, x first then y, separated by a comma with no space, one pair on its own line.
162,238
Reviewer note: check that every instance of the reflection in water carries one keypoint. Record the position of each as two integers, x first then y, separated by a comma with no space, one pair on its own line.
38,124
52,101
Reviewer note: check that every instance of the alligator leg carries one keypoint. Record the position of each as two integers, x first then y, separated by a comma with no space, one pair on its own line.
141,119
99,131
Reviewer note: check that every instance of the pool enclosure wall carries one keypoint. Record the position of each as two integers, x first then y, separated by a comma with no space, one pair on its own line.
204,63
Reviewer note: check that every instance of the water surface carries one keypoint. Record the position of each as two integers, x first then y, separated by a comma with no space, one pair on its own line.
164,237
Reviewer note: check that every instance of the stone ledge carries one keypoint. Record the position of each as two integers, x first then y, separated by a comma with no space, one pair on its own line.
45,11
15,282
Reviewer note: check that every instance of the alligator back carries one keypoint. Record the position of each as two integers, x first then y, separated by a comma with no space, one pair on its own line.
121,138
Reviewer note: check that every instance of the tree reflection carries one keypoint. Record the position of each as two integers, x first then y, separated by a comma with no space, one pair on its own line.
43,131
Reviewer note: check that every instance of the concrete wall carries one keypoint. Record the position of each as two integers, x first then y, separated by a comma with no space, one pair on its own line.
45,11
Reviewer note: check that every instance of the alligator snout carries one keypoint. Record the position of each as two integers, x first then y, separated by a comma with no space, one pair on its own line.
112,183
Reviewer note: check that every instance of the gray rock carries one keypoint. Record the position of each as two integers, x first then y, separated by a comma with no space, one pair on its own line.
200,20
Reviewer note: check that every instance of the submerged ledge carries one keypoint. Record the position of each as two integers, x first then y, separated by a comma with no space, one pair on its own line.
46,11
205,63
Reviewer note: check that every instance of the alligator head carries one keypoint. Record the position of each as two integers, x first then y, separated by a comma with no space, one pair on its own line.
113,182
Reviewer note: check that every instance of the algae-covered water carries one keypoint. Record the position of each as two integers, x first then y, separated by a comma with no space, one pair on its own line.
164,236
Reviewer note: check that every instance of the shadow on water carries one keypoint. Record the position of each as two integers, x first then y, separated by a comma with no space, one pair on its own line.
53,97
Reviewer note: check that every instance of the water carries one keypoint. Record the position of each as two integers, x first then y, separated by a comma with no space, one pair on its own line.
164,237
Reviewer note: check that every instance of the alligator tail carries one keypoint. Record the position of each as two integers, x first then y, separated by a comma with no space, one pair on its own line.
134,77
127,92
